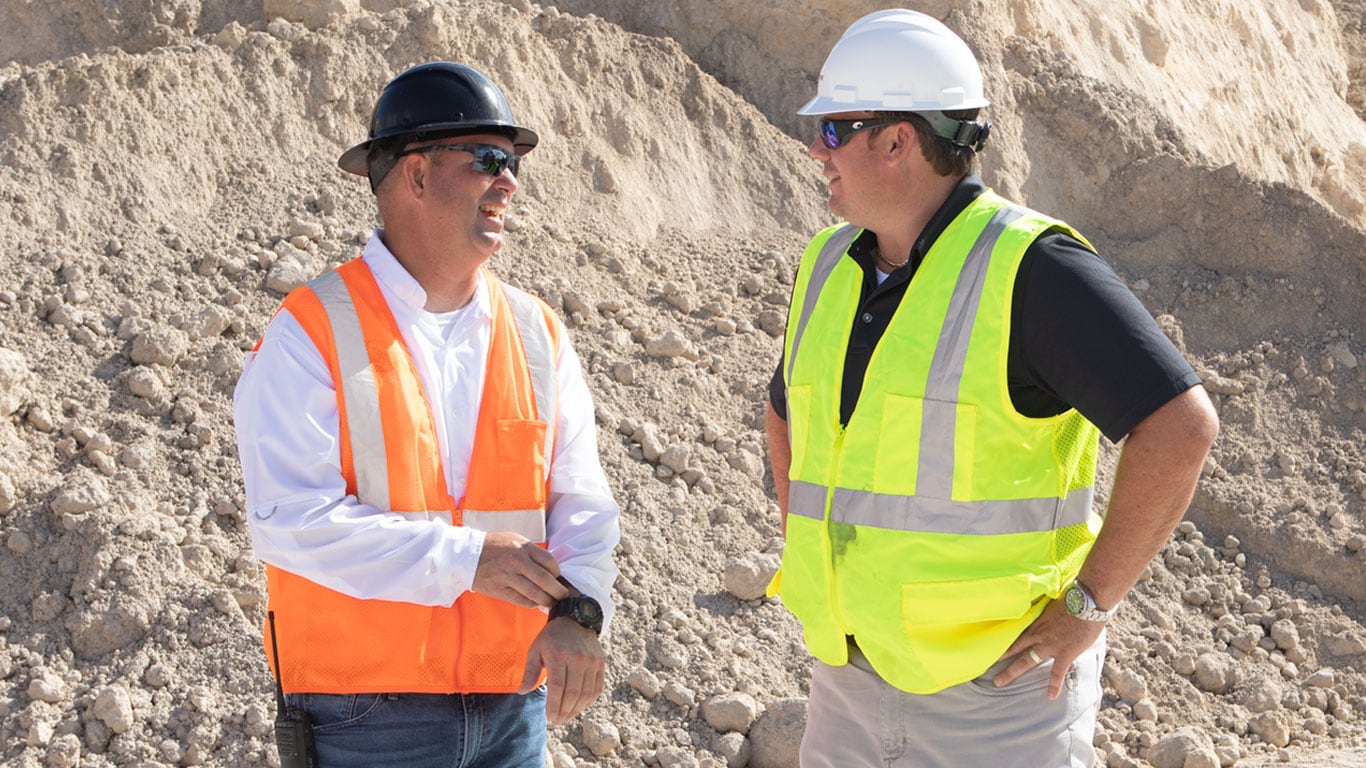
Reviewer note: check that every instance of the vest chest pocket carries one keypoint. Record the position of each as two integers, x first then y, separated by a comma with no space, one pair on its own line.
894,448
917,444
520,464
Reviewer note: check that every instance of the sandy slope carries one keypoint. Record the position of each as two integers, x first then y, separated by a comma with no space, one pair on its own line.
163,192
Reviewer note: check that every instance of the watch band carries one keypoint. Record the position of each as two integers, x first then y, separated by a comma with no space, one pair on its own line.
583,609
1079,602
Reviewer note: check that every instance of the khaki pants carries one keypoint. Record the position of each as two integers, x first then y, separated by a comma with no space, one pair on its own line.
854,719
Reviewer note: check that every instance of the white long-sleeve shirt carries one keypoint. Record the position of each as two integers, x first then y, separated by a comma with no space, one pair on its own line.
301,518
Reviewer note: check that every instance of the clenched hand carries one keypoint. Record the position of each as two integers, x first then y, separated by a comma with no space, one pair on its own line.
512,568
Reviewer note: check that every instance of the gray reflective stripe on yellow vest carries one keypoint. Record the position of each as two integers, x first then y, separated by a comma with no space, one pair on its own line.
929,515
826,260
361,397
935,478
932,509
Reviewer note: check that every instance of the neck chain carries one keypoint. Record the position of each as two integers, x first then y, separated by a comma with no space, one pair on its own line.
895,266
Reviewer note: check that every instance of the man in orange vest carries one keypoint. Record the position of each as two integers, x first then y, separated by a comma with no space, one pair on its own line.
420,459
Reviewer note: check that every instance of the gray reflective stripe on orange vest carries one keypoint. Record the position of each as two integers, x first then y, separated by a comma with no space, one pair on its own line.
829,256
917,514
361,397
528,522
540,358
431,514
935,475
358,390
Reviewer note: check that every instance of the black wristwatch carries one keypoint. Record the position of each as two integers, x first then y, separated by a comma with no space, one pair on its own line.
582,609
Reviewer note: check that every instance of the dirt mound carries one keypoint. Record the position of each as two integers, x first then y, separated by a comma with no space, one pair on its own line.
1274,88
163,193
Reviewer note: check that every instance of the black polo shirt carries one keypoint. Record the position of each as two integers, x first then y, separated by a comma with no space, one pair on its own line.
1079,338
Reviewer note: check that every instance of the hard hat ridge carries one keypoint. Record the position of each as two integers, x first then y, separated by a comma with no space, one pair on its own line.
899,60
431,101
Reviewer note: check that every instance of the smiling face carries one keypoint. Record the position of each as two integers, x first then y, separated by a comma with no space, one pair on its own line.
851,171
468,205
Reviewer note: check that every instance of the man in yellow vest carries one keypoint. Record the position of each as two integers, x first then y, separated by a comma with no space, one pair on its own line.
420,458
950,361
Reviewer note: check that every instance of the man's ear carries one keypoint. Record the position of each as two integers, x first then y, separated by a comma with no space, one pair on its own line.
412,173
905,139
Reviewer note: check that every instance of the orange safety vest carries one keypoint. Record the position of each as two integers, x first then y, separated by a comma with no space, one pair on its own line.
333,643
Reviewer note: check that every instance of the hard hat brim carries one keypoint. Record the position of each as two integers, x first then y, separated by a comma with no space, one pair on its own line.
353,160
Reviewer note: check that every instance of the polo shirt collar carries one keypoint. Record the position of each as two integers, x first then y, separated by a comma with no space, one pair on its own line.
967,190
401,285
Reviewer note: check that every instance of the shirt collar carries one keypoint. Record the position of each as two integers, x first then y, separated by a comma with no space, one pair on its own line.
967,190
401,285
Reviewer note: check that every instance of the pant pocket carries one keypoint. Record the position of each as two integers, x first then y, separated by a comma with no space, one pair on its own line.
331,711
1034,681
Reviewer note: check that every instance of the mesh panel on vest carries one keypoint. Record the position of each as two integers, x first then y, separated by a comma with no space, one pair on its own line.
1074,448
435,675
495,669
1071,545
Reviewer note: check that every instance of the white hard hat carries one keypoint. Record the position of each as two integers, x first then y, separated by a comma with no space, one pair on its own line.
901,61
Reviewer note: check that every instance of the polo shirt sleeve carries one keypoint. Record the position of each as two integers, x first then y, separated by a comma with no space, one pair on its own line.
1081,339
777,391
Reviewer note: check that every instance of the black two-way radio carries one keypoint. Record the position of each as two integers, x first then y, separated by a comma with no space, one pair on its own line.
293,726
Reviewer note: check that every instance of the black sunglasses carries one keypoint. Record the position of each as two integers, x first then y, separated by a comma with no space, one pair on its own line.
488,158
835,132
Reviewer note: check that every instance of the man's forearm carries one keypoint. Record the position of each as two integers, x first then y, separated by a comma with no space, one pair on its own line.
779,456
1154,482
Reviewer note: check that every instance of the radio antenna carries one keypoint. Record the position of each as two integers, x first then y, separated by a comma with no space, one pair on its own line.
275,651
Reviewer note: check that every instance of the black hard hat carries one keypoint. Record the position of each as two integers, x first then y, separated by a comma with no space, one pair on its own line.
431,101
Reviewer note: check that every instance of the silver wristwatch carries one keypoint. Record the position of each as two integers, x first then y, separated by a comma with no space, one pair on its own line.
1080,604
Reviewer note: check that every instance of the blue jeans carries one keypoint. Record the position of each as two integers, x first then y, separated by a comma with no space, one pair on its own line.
425,730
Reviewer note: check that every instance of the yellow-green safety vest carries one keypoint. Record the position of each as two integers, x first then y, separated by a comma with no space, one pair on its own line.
939,522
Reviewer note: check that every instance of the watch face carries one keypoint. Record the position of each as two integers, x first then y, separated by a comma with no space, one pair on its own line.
583,609
593,611
1074,600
